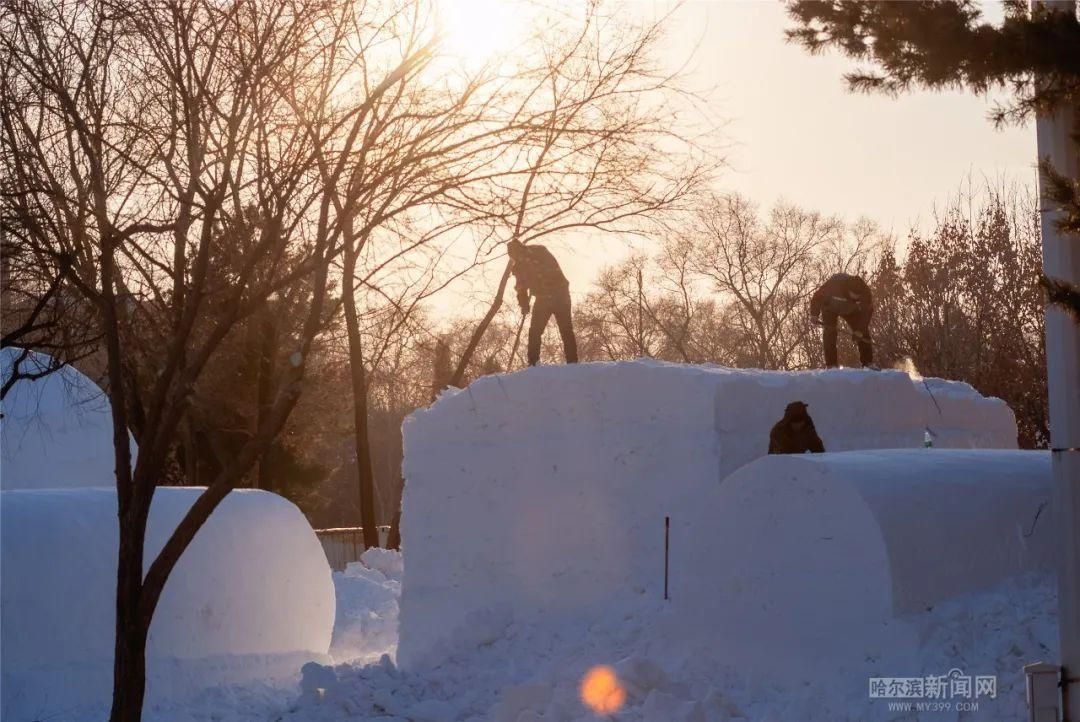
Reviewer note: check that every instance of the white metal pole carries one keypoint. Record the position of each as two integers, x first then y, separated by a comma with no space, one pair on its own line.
1061,260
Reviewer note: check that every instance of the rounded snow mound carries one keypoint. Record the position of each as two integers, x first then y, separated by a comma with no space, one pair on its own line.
252,595
57,429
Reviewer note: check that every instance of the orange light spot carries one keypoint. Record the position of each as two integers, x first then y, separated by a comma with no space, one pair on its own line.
601,691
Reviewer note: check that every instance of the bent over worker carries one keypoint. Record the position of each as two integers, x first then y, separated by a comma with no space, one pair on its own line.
537,275
847,297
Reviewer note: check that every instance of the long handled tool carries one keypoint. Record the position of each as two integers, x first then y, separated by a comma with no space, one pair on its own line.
517,342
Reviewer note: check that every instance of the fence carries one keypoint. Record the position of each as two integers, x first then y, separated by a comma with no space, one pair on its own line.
346,544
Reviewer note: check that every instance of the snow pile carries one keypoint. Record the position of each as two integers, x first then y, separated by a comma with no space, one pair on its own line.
529,672
545,492
367,607
251,596
386,561
57,430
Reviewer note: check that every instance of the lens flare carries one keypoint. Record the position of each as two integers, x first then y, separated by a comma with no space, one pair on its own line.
601,691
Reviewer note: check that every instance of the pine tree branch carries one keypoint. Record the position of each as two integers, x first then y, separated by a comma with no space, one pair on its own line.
942,44
1062,294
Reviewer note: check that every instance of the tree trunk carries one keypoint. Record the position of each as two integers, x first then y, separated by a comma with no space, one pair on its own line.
129,662
267,350
358,375
394,540
132,507
190,448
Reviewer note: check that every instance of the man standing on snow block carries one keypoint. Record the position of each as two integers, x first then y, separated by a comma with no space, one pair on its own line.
795,433
847,297
537,273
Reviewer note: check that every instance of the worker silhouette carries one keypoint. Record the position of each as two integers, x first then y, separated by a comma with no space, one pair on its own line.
537,274
847,297
795,433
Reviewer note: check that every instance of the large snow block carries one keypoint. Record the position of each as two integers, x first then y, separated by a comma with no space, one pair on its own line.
56,431
254,585
544,492
792,553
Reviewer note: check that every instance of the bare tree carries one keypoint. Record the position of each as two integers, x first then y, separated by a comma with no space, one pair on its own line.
602,154
143,139
556,145
406,170
39,301
643,307
764,267
656,306
614,315
966,301
727,286
183,169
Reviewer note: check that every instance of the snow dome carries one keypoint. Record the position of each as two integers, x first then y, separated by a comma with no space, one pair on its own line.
56,431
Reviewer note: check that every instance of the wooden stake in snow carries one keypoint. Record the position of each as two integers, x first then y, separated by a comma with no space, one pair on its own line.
667,546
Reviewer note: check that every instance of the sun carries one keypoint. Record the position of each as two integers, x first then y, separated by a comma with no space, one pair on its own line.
478,31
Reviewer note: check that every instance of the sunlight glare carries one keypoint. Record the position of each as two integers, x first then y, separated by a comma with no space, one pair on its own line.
477,31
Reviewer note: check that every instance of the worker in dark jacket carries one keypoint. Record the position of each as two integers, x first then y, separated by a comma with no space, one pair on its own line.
537,274
795,433
847,297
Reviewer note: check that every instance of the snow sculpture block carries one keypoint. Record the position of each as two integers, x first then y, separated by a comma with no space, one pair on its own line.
792,553
544,492
254,585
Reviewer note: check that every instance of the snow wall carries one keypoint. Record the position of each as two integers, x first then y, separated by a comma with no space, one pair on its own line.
791,555
251,597
544,492
56,431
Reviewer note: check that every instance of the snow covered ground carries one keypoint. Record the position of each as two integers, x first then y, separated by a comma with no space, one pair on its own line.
528,673
534,673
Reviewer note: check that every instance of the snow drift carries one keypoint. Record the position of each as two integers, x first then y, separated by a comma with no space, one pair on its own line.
791,554
534,672
254,587
56,431
367,606
544,493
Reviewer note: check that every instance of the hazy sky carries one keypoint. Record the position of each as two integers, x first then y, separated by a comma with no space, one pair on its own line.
799,134
793,130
